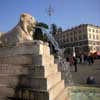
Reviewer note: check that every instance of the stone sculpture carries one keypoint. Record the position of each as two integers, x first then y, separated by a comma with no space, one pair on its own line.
23,31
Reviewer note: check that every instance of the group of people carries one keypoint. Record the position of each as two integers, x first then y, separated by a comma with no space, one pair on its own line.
88,59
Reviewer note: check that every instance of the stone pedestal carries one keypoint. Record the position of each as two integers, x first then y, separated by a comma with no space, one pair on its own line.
28,72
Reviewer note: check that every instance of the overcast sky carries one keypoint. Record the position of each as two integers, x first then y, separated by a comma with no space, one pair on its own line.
67,13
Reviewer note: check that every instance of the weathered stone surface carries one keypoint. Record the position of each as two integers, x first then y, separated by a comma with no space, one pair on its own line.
11,69
56,89
5,91
18,60
62,95
40,95
45,83
32,47
31,67
43,71
8,80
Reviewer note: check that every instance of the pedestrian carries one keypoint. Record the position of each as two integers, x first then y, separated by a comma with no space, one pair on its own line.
75,63
92,59
71,60
82,58
85,59
67,59
89,59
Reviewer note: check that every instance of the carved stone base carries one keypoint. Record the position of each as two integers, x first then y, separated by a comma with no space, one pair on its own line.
28,72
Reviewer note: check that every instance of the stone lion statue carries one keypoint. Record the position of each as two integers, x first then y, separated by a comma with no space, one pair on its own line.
23,31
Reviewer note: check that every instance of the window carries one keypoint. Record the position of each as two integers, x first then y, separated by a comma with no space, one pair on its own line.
80,37
71,33
89,30
94,49
67,40
96,31
90,47
75,38
93,30
98,48
84,36
98,43
97,37
90,42
94,43
93,36
89,36
71,39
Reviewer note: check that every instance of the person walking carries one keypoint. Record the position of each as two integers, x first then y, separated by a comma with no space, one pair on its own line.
71,60
92,59
75,63
89,59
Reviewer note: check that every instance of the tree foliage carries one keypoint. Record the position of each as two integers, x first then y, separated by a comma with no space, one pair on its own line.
42,25
38,34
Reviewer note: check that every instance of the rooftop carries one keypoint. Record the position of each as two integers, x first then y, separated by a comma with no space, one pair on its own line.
81,25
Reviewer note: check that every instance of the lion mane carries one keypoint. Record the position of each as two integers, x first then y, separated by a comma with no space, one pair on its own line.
23,31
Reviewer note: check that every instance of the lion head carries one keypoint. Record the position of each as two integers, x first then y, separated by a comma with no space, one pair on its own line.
27,23
23,31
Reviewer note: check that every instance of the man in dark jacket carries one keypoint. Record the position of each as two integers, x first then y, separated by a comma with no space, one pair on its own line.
75,63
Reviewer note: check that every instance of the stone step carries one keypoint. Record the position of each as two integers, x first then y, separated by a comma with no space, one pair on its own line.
51,59
40,95
3,98
62,95
54,67
53,79
45,83
42,71
46,50
9,80
14,80
18,59
51,94
34,47
5,91
41,60
55,90
37,71
13,69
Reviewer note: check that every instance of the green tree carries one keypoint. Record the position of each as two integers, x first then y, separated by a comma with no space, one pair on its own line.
38,34
42,25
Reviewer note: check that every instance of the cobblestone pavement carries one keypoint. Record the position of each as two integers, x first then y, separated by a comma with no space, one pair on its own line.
85,70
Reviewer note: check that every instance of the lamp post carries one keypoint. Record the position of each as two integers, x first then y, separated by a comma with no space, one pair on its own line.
50,12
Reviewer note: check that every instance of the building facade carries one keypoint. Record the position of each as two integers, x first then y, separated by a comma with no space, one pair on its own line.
84,38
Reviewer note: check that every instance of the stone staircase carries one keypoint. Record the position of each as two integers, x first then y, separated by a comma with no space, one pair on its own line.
28,72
